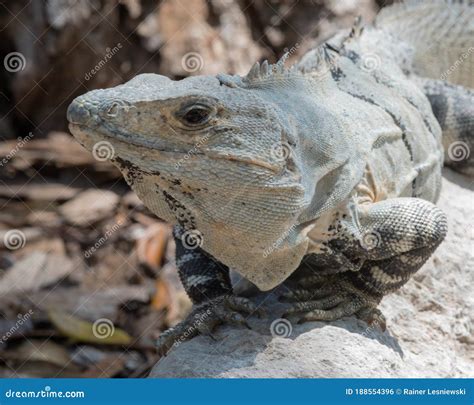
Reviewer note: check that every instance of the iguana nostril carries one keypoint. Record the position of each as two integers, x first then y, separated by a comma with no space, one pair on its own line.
113,110
115,107
78,113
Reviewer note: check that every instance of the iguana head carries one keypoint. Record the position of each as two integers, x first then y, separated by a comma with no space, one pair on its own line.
244,164
194,116
202,152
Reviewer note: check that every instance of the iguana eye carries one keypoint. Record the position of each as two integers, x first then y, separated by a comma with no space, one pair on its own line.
196,115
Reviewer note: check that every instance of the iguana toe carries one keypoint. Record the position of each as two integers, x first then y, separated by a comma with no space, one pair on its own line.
324,303
303,294
205,317
373,316
347,307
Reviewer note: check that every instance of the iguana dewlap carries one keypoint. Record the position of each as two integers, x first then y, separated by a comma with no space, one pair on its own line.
327,171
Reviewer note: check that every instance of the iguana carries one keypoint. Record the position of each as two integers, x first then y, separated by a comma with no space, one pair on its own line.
324,173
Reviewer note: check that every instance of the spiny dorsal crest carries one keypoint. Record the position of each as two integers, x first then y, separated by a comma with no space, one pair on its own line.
355,33
259,72
357,28
322,60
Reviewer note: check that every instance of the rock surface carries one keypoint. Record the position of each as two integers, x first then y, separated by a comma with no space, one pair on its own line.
429,334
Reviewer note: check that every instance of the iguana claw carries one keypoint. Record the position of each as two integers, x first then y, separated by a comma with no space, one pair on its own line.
330,300
205,317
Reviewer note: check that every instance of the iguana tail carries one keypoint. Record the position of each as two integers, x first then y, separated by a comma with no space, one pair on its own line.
439,34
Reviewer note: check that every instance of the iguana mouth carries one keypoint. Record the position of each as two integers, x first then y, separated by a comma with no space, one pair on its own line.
87,134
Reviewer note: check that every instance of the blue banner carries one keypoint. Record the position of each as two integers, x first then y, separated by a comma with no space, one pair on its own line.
236,391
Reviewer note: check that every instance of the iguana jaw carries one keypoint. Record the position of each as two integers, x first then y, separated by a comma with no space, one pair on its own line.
89,136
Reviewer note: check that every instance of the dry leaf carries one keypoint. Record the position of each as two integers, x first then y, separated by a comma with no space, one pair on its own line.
102,331
39,191
35,271
90,207
152,246
41,358
162,297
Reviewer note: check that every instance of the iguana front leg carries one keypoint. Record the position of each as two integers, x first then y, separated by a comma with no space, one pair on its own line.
394,238
207,283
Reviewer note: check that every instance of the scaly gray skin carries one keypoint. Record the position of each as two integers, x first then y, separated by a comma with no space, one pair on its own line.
326,172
